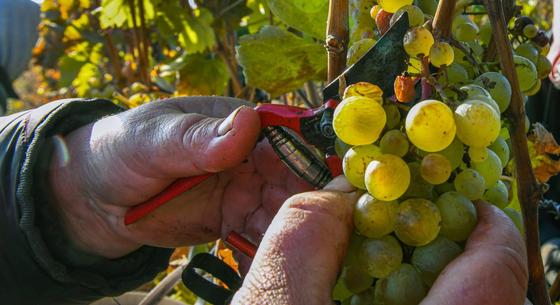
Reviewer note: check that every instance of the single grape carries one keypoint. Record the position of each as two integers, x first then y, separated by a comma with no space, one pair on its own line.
374,11
374,218
543,67
470,183
520,23
485,33
418,41
478,154
457,74
357,279
418,222
394,142
392,6
365,297
432,258
387,177
473,91
358,49
402,287
517,219
498,195
430,125
354,248
487,100
364,89
418,188
478,124
458,216
535,89
498,86
435,168
383,21
355,162
359,120
380,257
490,168
526,72
405,89
415,15
501,148
427,6
441,54
393,115
464,29
529,51
341,148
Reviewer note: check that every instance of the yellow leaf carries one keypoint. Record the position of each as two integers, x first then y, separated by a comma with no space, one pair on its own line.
542,148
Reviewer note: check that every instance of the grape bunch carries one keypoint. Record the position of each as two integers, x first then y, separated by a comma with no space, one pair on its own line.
422,156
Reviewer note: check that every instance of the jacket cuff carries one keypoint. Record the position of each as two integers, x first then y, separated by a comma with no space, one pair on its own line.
51,248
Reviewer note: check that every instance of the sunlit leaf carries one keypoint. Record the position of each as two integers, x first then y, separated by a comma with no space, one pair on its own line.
307,16
82,81
197,34
278,61
542,148
117,13
202,74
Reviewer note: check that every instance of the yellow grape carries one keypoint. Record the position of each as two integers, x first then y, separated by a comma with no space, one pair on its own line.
364,89
387,177
415,15
418,41
478,124
392,6
441,54
355,162
487,100
430,125
478,154
375,218
359,120
435,168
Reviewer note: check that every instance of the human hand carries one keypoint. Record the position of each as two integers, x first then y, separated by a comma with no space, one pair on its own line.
125,159
301,255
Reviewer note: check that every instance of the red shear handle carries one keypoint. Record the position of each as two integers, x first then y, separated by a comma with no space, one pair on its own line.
175,189
240,243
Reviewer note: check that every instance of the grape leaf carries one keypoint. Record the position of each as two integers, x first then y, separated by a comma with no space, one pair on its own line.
202,74
197,34
278,61
117,13
307,16
542,146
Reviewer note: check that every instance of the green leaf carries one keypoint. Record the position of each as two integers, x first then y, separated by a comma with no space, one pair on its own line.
202,74
117,13
70,67
197,34
278,61
307,16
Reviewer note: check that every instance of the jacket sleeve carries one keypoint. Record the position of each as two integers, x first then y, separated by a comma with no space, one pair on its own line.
37,263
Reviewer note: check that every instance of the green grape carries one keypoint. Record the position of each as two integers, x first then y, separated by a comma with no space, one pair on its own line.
501,148
487,100
490,168
393,115
341,148
355,162
354,248
392,6
535,89
387,177
517,219
418,222
470,183
454,153
478,124
463,28
415,15
357,279
441,54
380,257
444,187
485,34
458,216
543,67
478,154
418,41
529,51
394,142
498,195
498,86
340,291
374,218
418,188
430,125
526,72
435,168
365,297
432,258
402,287
459,56
457,74
427,6
474,91
359,120
358,49
530,30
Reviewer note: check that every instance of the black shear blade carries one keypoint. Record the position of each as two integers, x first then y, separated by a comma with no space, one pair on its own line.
380,65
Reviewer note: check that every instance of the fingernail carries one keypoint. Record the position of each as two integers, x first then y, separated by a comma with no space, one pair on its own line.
340,184
227,124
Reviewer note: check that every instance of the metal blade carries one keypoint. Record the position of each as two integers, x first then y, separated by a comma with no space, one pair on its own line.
380,65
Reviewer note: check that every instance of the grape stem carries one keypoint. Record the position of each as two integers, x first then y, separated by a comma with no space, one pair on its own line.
529,192
337,37
468,52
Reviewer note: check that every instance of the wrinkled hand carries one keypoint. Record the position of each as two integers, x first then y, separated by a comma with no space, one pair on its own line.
302,251
125,159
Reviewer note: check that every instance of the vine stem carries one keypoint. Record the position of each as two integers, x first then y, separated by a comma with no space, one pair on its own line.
528,190
337,37
441,24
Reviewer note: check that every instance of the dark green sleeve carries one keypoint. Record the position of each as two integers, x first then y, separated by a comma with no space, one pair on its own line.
38,265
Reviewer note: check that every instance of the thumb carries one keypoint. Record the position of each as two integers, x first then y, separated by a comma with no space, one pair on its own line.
302,250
